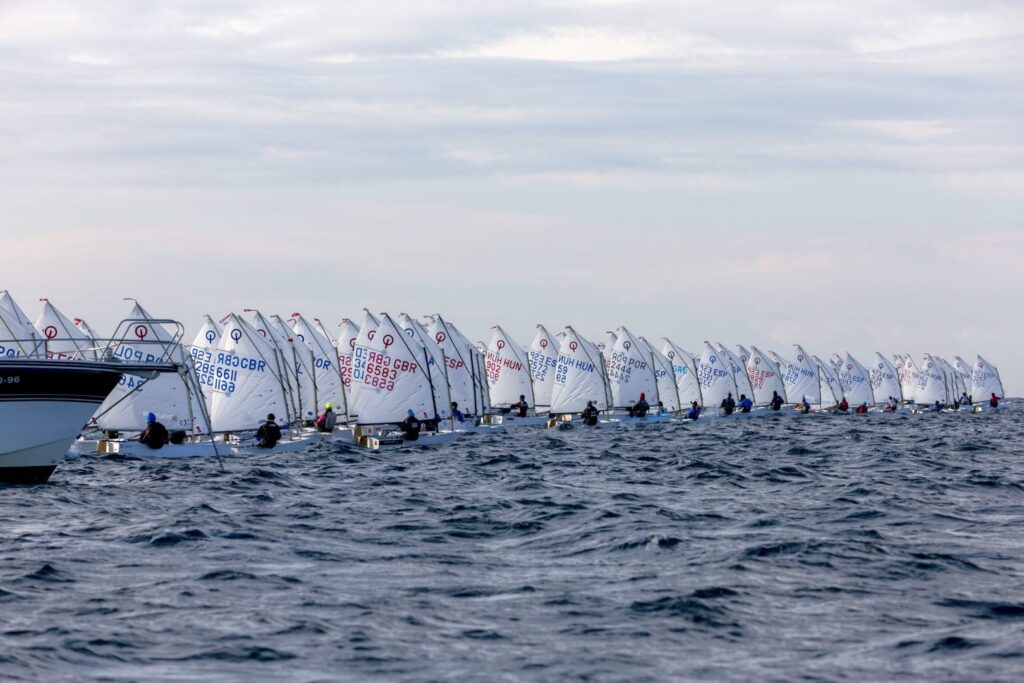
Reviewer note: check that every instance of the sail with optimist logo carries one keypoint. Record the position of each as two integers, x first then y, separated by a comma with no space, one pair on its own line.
630,371
579,376
64,341
394,378
855,381
716,377
249,379
985,381
175,398
664,373
885,381
684,366
765,378
543,357
801,378
508,371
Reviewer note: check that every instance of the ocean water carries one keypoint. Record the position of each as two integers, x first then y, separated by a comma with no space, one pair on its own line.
784,548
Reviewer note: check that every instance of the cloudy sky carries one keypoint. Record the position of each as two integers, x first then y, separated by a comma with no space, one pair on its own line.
849,176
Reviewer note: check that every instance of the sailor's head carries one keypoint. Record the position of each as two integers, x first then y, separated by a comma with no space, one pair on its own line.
522,397
742,396
590,404
864,404
455,404
409,413
270,417
993,394
730,395
328,407
151,417
641,395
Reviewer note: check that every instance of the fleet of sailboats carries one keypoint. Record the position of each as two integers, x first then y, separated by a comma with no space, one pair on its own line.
382,373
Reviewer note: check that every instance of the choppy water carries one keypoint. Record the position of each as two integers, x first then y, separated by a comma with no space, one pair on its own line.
816,548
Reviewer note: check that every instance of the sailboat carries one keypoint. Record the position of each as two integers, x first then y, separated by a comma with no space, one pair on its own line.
543,357
830,387
684,366
765,378
909,376
717,380
579,379
631,375
801,378
885,382
664,373
176,399
64,340
251,381
985,381
509,377
855,381
390,378
326,371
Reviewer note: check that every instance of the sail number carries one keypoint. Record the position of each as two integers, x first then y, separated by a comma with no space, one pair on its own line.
10,379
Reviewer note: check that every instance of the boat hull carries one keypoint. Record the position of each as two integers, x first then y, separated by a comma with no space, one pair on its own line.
43,406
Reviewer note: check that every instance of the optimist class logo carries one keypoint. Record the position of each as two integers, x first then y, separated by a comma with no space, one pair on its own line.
50,331
141,331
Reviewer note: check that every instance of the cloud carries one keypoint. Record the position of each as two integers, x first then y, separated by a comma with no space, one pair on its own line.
818,172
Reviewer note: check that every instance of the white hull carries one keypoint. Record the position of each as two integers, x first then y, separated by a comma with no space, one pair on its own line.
36,434
528,421
480,429
296,444
201,449
395,441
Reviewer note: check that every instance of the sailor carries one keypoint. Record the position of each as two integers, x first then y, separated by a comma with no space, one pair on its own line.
411,426
938,406
327,420
862,408
745,404
804,406
268,434
640,408
522,406
457,414
844,405
893,404
966,399
776,401
994,401
589,414
728,404
155,434
661,407
694,412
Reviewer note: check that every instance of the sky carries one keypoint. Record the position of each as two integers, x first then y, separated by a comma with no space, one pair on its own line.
847,176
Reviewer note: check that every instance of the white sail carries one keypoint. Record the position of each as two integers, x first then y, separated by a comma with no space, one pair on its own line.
360,353
716,377
801,378
17,335
955,379
885,381
543,362
301,358
765,377
348,331
390,376
86,328
931,382
266,329
909,375
64,341
478,369
325,363
837,362
684,365
508,371
855,381
175,398
249,379
436,368
739,372
202,350
828,382
458,360
630,371
985,381
664,373
966,372
578,377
